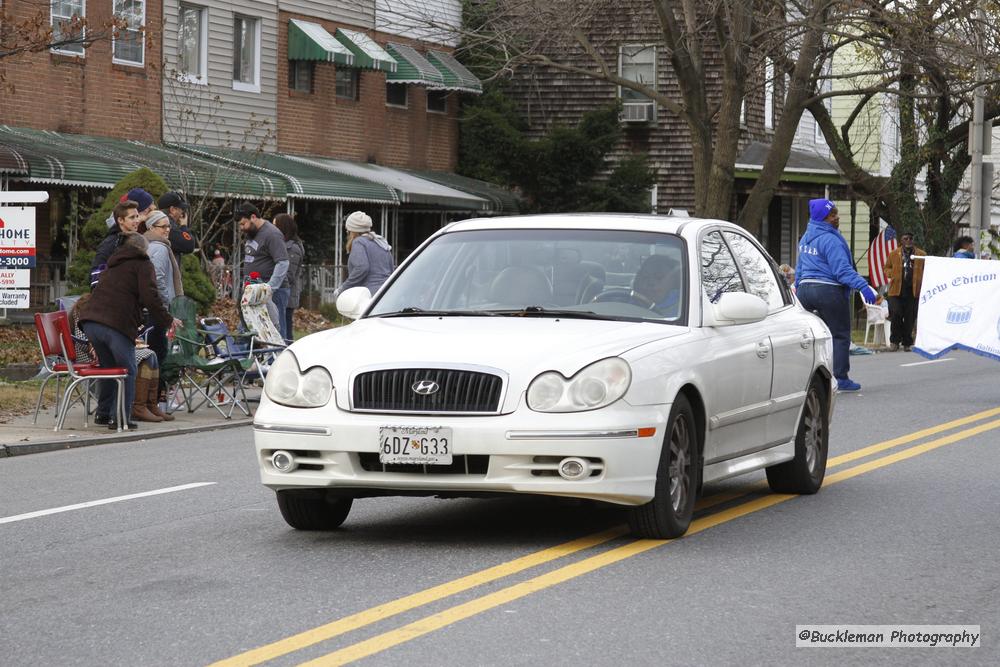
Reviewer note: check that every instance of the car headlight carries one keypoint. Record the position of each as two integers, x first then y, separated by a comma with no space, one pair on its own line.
599,384
287,385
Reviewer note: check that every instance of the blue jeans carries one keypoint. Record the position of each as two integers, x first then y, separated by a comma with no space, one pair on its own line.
832,304
114,349
279,298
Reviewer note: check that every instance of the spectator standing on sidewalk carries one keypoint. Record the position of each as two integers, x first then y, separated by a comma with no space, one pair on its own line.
964,248
112,317
905,275
156,229
264,253
824,278
182,241
369,261
296,253
142,202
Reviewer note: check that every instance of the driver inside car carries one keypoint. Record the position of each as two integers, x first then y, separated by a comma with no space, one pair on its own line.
657,285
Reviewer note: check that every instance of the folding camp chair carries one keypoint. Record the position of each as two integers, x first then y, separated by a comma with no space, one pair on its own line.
55,340
240,347
197,375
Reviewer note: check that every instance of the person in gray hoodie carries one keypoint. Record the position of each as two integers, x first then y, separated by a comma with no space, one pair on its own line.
369,261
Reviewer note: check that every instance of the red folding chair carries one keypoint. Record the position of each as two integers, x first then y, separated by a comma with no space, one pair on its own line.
55,340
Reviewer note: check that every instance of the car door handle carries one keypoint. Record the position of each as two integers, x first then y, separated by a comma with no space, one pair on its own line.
763,349
806,340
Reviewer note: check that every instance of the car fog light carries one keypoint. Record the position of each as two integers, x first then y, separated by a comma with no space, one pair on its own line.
283,461
574,468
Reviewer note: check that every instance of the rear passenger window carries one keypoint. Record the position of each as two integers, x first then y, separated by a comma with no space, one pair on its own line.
718,268
757,271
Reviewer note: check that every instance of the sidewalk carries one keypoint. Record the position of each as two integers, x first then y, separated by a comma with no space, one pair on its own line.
19,436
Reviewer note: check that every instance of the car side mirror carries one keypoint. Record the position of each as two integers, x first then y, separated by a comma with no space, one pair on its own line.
352,302
734,308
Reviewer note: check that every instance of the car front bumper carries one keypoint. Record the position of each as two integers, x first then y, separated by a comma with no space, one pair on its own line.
513,453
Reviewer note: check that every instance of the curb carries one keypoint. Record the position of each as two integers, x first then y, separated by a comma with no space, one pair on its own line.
20,449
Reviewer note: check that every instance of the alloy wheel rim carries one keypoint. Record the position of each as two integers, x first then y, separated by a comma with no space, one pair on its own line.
680,464
812,421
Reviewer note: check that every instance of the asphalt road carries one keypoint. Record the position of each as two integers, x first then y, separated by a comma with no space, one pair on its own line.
908,532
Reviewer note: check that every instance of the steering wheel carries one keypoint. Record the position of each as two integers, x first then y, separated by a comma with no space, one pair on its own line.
623,295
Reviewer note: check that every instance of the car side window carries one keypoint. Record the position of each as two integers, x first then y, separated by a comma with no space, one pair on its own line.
757,270
718,268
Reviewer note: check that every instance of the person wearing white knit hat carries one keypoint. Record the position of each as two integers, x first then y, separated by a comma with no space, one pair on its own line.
369,261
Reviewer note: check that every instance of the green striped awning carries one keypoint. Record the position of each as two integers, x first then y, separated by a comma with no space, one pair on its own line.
305,181
411,190
456,76
311,41
88,161
412,67
367,53
501,199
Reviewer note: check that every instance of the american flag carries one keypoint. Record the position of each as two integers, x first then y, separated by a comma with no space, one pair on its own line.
878,253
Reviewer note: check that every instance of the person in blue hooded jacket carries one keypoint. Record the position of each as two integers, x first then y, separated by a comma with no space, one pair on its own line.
824,278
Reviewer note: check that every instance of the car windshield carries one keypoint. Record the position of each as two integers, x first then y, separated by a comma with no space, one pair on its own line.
587,274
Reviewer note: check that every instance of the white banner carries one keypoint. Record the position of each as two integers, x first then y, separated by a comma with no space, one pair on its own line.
959,307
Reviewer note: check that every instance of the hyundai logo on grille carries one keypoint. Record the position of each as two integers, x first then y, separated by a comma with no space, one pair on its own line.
425,387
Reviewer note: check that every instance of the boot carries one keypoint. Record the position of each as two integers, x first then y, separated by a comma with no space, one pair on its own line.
139,411
153,398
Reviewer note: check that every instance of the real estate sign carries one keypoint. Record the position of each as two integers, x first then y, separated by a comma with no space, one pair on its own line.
17,254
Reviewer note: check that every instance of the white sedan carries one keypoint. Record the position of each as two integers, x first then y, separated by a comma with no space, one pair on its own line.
621,358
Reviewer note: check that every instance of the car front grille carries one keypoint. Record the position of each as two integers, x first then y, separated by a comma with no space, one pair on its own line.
461,464
457,390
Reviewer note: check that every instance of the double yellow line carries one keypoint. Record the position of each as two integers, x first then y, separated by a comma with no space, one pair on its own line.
478,605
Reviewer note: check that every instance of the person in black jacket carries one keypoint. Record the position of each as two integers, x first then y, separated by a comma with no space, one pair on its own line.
182,241
112,317
126,215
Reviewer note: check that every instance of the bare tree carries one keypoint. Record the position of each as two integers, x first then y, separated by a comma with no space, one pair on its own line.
26,28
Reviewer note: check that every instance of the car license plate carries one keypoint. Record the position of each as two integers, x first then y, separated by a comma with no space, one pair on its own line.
419,445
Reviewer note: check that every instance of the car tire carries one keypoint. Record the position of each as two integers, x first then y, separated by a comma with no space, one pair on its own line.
669,513
804,474
310,509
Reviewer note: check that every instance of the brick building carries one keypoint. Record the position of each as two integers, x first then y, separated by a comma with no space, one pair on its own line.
295,104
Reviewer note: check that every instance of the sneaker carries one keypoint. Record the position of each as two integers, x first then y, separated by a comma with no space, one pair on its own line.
906,348
101,420
847,384
894,347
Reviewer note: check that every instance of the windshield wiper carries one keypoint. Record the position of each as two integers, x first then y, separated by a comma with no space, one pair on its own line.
413,311
541,311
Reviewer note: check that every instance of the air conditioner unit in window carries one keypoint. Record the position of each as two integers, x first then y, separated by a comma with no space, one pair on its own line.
638,112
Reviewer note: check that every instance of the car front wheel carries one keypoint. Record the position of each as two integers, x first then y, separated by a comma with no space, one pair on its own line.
669,513
804,474
312,509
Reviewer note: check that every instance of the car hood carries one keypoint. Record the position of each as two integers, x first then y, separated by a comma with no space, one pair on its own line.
522,347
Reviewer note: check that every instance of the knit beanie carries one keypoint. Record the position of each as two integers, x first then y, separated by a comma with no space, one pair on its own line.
359,221
820,208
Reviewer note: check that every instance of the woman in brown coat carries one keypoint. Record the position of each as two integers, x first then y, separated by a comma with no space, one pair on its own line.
112,317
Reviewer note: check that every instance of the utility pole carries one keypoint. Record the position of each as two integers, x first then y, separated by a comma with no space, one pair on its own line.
979,137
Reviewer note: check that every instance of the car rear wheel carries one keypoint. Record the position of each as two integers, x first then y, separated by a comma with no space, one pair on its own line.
804,474
669,513
312,509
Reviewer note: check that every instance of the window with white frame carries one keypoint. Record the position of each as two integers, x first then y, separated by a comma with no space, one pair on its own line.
346,84
65,14
637,63
769,95
395,94
128,45
192,44
437,101
246,53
